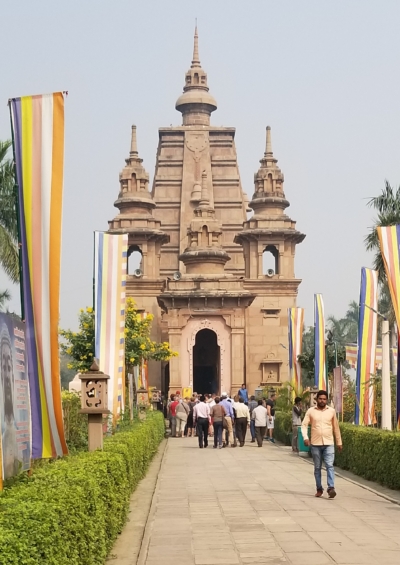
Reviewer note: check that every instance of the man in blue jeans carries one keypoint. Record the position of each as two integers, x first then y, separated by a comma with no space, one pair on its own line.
324,426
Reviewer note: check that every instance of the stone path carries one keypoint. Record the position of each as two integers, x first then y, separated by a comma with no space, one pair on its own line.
251,505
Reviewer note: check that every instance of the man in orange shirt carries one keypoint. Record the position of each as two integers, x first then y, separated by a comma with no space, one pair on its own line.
324,426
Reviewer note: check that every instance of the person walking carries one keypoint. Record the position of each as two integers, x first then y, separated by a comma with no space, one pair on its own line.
228,419
189,424
182,412
252,404
172,414
242,420
217,414
296,421
324,426
259,416
201,419
270,406
243,394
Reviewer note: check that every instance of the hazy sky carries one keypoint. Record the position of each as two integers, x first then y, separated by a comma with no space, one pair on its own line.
324,75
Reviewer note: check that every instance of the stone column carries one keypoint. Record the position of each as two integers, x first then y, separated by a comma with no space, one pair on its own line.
175,338
238,376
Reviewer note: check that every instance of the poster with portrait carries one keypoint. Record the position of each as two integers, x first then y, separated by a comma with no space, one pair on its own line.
15,421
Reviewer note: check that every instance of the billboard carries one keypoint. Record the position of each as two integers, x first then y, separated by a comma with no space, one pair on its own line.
15,418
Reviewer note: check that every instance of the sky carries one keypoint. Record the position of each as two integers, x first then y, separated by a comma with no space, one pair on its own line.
324,75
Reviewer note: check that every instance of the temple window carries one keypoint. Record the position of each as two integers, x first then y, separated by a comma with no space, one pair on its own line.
135,259
196,78
270,260
204,236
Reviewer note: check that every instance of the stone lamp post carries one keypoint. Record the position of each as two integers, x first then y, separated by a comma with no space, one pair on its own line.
94,397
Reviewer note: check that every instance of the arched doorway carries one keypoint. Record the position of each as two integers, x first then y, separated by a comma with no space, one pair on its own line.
206,363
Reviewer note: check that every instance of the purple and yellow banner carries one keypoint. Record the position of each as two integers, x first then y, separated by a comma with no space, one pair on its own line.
295,334
389,240
367,336
319,342
110,291
38,132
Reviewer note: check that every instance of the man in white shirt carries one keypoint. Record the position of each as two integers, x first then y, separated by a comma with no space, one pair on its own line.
201,418
260,416
242,420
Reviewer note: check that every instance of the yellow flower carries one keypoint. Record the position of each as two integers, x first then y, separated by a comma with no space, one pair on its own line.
143,346
81,310
69,366
132,359
89,309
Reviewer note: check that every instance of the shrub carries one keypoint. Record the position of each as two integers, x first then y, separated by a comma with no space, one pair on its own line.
283,427
71,511
371,453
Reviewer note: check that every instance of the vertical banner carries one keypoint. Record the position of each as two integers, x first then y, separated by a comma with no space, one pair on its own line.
295,331
351,354
367,336
38,134
15,419
319,342
338,389
110,289
389,239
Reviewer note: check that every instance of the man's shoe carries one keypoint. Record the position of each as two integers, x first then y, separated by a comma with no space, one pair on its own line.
242,444
201,447
253,441
331,492
214,447
272,440
319,493
234,445
266,439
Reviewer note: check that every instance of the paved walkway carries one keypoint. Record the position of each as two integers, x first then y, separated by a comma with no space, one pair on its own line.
251,505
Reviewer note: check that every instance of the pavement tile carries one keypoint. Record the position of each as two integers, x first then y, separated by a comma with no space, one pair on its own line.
236,507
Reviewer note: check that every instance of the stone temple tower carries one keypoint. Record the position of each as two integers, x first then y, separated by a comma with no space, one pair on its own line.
218,284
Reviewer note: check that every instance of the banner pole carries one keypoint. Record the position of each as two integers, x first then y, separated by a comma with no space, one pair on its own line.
94,274
17,211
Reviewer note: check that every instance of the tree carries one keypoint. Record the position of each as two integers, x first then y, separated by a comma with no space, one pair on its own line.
5,296
80,346
8,217
138,344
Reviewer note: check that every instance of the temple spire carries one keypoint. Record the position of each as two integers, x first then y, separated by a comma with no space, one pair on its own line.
196,58
268,146
134,150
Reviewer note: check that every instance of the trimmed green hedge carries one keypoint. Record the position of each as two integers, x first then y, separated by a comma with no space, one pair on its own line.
371,453
71,511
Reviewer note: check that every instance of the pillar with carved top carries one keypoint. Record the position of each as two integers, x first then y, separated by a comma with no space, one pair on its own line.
238,374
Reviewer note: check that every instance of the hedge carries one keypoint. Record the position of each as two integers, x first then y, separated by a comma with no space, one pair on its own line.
371,453
282,427
71,511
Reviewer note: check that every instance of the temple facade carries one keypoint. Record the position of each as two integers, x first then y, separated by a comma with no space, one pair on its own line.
216,271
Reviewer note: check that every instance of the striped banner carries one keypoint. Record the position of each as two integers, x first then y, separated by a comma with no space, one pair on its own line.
295,331
319,342
110,284
351,354
38,132
389,239
367,336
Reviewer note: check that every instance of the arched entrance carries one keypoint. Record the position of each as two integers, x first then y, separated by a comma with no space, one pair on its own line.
206,363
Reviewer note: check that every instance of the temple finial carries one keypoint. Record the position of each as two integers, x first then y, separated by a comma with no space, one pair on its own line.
268,146
196,58
134,151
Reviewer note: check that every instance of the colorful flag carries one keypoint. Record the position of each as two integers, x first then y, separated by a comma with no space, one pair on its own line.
338,389
38,135
319,341
367,336
295,331
389,240
110,285
351,354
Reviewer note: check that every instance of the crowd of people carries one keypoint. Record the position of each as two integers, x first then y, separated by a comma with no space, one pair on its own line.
227,420
222,418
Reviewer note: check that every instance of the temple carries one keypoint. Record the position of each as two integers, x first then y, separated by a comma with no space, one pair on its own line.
219,283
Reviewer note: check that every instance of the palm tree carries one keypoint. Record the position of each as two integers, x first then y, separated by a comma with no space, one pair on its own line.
387,204
5,296
8,217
